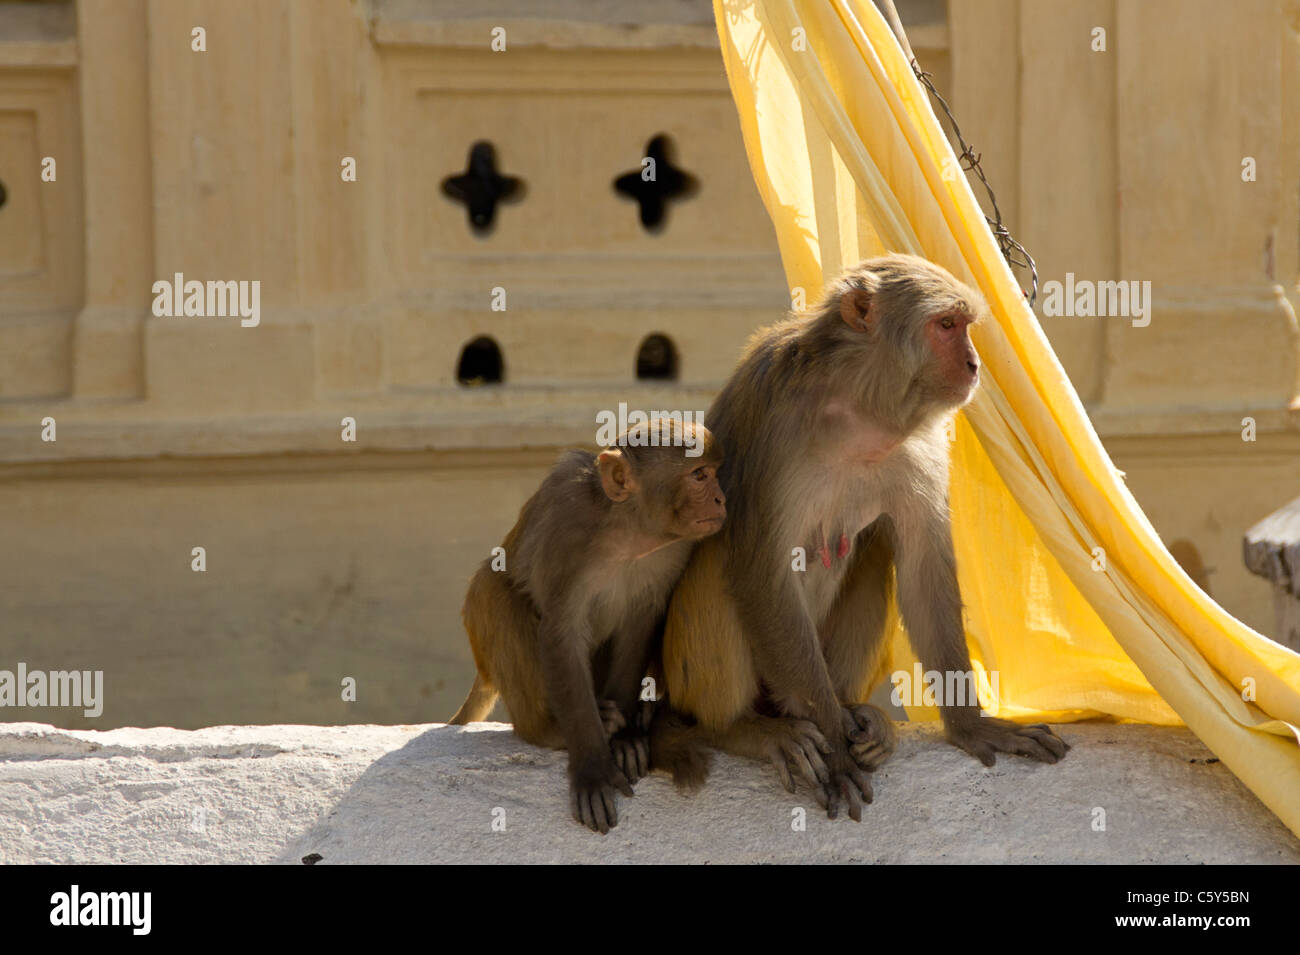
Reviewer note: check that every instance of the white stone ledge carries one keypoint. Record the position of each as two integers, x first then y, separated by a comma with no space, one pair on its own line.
372,794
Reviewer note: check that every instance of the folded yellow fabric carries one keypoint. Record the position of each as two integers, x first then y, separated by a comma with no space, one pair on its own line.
1071,597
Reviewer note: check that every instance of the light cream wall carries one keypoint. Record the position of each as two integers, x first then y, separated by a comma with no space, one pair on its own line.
329,559
318,569
225,165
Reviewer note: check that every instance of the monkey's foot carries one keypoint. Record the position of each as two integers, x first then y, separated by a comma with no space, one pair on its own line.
871,735
631,752
984,736
794,745
847,789
611,717
593,799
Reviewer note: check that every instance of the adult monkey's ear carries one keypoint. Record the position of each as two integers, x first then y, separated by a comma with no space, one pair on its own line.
856,302
616,477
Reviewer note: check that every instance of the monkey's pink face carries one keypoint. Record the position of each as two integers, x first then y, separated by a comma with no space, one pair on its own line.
957,366
699,507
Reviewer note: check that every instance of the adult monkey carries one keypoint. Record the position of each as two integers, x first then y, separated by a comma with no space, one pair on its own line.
834,424
590,565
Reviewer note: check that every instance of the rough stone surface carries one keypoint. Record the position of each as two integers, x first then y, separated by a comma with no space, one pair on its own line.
427,794
1272,549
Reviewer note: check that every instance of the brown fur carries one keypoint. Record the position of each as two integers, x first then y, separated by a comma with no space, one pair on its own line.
565,633
834,425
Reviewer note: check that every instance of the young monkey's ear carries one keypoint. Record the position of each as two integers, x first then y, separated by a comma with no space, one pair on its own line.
616,475
856,303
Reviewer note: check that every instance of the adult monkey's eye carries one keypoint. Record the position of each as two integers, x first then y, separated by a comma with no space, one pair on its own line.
946,322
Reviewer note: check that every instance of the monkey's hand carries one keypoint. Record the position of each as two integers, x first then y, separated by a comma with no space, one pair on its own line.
796,747
870,734
982,736
849,786
611,717
631,752
592,797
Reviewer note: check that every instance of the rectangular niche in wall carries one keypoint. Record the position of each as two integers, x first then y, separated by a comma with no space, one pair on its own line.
41,272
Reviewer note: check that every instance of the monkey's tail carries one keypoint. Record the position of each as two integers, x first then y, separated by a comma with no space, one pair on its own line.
678,746
482,697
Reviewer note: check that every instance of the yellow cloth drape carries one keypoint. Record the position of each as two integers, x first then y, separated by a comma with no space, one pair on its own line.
1071,597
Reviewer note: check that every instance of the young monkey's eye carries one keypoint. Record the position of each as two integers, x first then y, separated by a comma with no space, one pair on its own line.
699,474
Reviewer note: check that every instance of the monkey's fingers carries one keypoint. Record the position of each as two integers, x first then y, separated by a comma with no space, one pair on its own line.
1043,734
852,725
862,782
869,754
580,805
594,813
823,796
632,756
608,803
847,789
1045,749
806,761
873,737
619,781
796,760
871,734
593,801
988,736
808,730
853,799
776,756
595,810
641,745
1035,742
834,800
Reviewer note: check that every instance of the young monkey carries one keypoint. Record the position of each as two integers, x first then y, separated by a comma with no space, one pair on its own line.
565,632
